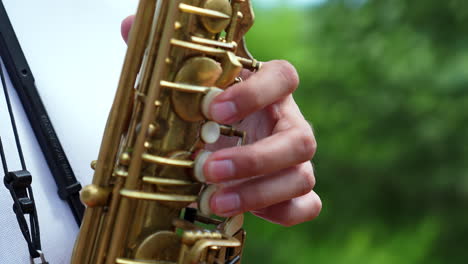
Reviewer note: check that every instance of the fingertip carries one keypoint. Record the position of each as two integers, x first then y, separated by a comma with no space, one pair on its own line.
219,170
224,108
318,206
226,204
225,112
126,26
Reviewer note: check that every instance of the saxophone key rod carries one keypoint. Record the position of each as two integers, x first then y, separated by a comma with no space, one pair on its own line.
202,11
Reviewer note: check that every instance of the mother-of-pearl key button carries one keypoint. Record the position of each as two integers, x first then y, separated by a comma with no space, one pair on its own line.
207,100
200,161
210,132
204,202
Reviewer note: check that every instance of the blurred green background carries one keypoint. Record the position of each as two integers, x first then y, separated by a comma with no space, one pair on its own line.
385,84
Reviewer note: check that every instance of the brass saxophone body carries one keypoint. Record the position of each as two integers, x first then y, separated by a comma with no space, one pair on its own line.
149,169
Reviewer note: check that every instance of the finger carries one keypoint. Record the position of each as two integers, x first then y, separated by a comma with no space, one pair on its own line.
264,191
126,26
274,81
294,211
279,151
245,74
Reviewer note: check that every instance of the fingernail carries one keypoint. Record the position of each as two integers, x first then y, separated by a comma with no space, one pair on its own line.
220,170
226,203
223,112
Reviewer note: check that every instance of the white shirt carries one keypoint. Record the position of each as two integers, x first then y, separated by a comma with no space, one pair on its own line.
75,52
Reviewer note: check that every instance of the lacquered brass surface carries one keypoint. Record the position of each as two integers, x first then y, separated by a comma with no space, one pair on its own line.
198,71
93,195
139,205
216,25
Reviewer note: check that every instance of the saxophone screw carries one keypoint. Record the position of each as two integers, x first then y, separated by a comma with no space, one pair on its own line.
148,145
152,130
125,159
93,195
93,164
177,25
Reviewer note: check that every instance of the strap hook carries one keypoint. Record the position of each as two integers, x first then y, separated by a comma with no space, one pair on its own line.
42,261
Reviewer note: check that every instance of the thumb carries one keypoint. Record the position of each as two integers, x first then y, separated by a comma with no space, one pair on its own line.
126,26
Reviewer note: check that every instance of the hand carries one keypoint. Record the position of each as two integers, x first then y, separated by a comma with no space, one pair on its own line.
272,175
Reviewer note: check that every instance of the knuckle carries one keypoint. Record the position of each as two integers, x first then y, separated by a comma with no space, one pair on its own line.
255,98
253,198
247,96
251,163
307,179
243,202
306,144
288,74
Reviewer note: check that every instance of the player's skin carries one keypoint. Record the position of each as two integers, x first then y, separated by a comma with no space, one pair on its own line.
272,176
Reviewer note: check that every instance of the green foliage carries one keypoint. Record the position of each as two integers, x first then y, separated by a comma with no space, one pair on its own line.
385,84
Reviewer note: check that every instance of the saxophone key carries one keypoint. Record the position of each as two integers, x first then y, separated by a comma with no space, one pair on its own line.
200,161
210,132
158,197
165,181
204,201
207,100
203,12
167,161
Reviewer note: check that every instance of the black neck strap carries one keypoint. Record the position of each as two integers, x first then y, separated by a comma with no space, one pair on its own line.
19,185
23,82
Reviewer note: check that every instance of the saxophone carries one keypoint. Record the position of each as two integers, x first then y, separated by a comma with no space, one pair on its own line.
149,173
